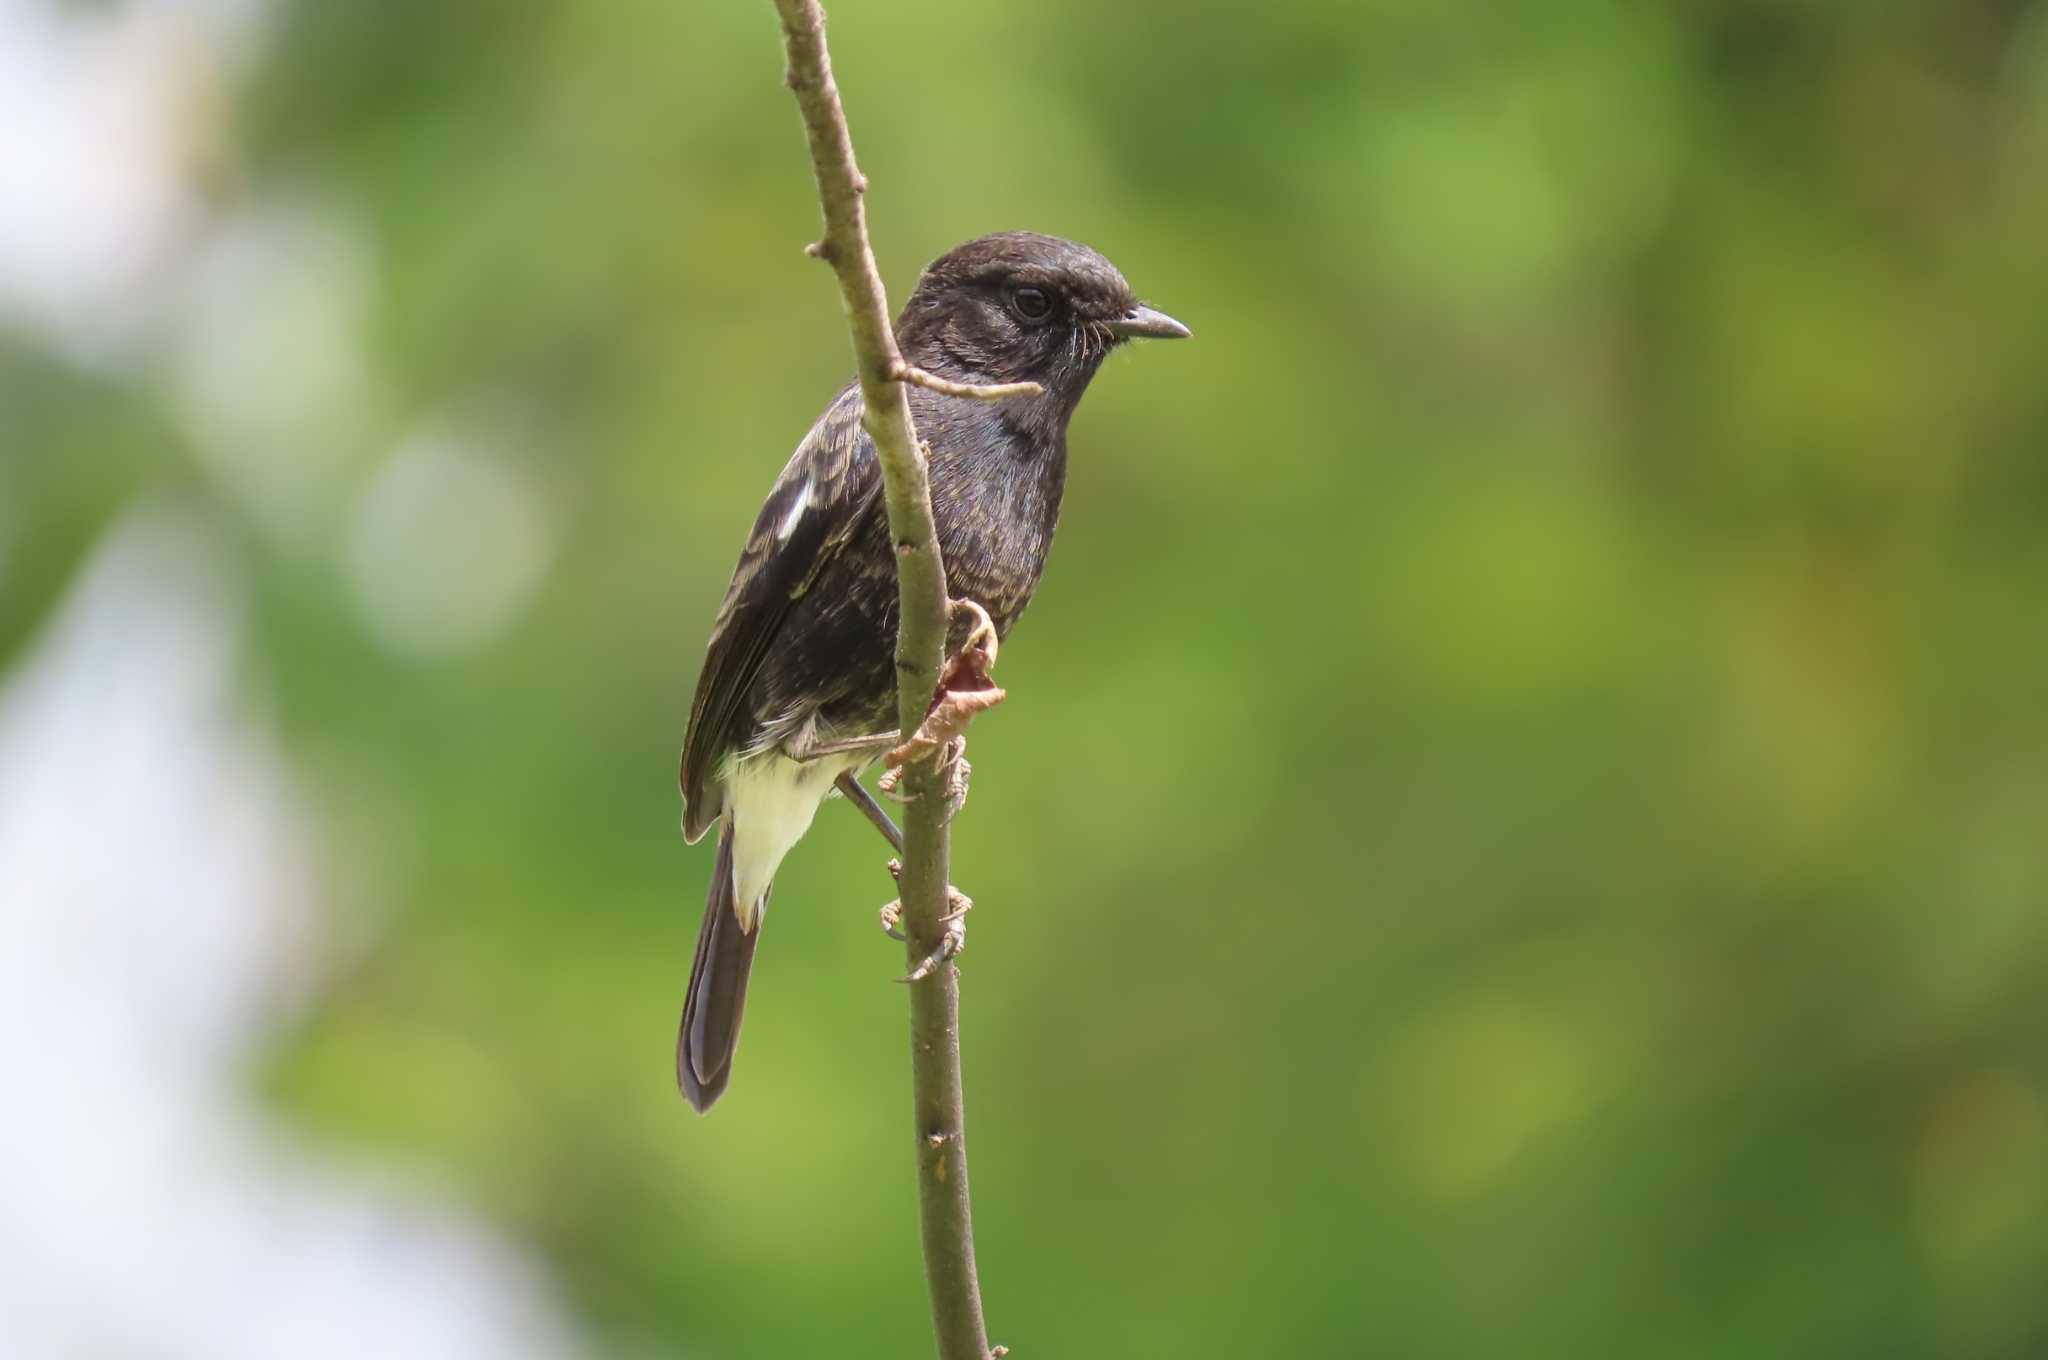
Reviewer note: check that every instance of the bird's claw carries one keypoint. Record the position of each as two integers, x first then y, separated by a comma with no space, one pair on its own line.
952,938
964,689
892,910
958,772
955,771
981,638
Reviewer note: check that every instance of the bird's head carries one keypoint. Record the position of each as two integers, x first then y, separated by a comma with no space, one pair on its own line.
1021,307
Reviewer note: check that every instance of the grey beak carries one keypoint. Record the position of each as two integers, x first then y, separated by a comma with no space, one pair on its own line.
1145,321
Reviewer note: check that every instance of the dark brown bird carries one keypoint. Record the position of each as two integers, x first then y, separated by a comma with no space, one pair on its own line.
801,657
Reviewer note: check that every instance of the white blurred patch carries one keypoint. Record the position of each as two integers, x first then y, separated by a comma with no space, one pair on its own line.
106,111
266,356
112,119
156,909
451,538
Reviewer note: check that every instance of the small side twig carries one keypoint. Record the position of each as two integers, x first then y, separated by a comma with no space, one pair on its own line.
905,371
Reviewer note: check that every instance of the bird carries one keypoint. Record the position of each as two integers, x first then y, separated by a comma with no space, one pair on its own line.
798,684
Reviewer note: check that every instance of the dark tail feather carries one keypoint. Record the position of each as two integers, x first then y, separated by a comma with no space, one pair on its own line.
718,988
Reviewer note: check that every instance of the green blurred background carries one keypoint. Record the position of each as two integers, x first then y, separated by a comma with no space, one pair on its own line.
1521,827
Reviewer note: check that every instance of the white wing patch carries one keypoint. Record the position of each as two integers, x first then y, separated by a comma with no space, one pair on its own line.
795,515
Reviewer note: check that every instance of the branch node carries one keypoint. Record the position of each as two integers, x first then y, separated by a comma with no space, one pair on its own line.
821,250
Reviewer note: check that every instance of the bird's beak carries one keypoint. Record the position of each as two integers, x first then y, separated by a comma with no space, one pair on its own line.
1145,321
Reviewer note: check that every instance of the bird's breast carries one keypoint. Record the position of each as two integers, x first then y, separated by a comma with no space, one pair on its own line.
995,517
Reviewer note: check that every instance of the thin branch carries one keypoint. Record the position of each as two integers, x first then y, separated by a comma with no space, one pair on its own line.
932,382
945,1210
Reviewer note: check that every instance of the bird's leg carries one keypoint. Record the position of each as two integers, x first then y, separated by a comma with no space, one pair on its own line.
803,752
857,794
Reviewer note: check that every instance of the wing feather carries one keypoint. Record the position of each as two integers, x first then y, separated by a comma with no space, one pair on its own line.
821,499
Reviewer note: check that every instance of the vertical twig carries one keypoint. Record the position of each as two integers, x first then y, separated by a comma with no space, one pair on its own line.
945,1210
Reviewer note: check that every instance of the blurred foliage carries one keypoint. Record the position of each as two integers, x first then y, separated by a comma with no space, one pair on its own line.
1522,825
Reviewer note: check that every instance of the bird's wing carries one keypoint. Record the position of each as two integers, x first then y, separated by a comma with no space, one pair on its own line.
823,496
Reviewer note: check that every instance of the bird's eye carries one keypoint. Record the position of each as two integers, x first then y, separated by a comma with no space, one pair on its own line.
1031,304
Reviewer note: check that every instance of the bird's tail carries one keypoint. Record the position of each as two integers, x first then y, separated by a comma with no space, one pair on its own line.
718,987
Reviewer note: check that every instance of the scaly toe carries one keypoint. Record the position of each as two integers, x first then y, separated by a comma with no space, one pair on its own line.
950,943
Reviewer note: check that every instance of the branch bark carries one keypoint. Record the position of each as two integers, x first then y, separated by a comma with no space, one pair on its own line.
945,1210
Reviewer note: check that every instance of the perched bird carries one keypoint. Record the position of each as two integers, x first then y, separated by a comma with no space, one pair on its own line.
800,666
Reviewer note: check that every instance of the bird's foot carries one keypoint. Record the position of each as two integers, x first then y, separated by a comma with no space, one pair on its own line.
953,934
958,772
952,938
964,690
955,772
890,785
892,910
